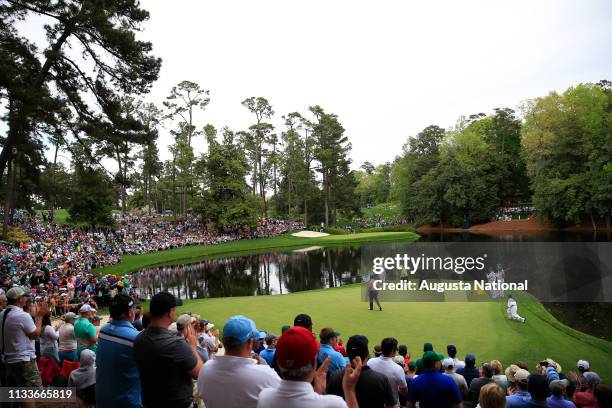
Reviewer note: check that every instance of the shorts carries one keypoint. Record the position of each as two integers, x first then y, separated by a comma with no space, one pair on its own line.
23,374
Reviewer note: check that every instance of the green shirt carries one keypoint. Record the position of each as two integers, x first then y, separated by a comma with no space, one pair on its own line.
83,331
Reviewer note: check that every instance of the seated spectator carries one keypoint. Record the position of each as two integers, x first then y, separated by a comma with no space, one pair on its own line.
296,353
486,377
268,353
492,396
235,370
373,388
603,395
432,388
329,338
557,399
449,369
84,377
469,372
385,365
586,398
521,396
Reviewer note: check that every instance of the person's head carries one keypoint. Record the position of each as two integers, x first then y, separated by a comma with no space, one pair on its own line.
521,379
486,371
449,365
451,350
46,320
163,309
303,320
402,350
183,321
470,360
86,311
427,347
557,387
70,317
285,328
432,360
17,296
412,367
537,385
388,346
592,379
523,365
583,366
239,334
492,396
377,351
329,336
3,301
121,307
271,341
87,358
510,371
603,395
296,354
497,367
137,312
357,346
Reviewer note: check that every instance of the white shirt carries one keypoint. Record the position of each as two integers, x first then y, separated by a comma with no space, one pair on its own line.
17,345
67,340
392,370
297,394
229,381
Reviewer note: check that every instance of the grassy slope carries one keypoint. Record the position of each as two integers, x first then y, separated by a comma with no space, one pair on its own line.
131,263
476,327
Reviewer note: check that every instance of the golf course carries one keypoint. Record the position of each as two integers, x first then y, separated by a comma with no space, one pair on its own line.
481,328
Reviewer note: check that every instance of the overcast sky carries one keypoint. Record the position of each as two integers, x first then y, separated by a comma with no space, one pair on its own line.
387,69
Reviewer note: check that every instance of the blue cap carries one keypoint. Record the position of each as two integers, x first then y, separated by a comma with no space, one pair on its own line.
262,335
240,328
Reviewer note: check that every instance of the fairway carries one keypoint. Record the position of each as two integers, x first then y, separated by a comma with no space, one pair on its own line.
478,327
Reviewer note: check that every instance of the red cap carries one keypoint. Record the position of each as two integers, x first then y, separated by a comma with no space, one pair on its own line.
296,348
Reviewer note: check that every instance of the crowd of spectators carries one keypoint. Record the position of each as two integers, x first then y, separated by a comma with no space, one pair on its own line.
159,359
510,213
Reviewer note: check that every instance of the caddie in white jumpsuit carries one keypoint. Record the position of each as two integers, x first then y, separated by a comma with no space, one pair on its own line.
512,310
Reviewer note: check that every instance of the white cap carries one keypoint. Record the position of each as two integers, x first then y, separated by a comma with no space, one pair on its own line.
583,364
86,308
448,362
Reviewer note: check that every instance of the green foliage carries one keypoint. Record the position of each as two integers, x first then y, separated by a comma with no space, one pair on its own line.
391,228
334,231
92,197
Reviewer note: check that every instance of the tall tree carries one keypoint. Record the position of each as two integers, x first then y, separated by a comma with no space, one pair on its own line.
182,102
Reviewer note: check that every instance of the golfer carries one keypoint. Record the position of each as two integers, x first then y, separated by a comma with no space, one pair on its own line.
512,310
373,293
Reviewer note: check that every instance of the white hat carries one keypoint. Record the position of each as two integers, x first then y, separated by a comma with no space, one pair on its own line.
86,309
583,364
448,362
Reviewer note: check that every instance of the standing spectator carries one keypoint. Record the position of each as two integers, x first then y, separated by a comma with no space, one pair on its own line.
303,320
433,389
3,302
449,369
486,377
67,340
117,379
268,353
603,395
329,338
208,338
583,366
469,372
537,384
296,354
385,365
17,339
451,350
521,396
557,399
48,339
167,363
235,370
492,396
373,388
498,374
84,377
84,330
586,398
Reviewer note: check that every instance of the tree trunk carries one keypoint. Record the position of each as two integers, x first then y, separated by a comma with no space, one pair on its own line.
10,181
306,212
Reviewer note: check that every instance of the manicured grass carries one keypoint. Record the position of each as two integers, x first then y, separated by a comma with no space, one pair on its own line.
478,327
131,263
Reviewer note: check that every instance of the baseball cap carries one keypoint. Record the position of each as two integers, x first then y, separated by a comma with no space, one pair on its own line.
451,350
559,385
448,362
86,308
120,304
70,315
262,335
183,320
427,347
327,334
16,292
430,358
296,348
303,320
412,363
285,328
521,375
583,364
470,359
239,328
162,302
357,346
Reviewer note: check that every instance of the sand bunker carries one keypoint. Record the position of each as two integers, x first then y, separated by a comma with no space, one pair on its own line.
310,234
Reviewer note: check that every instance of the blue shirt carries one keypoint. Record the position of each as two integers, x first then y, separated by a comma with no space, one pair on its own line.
559,402
336,360
520,399
268,355
433,389
117,379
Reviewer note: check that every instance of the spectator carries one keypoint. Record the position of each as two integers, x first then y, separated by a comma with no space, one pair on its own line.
17,339
117,379
392,371
373,388
296,354
521,396
583,366
166,363
451,350
449,369
236,369
340,348
498,374
67,340
137,323
510,371
84,330
329,338
209,338
492,396
586,398
486,377
377,351
603,395
469,372
537,384
432,388
3,302
84,377
557,399
268,353
402,350
303,320
48,339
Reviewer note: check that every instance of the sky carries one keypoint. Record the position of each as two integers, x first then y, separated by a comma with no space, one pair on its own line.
387,69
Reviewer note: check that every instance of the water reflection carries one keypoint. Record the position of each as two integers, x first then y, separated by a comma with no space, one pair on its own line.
253,275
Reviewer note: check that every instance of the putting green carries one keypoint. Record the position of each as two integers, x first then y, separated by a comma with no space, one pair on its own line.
478,327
